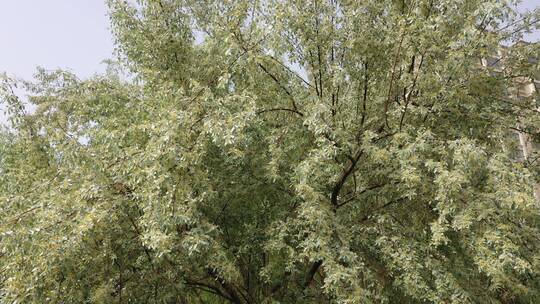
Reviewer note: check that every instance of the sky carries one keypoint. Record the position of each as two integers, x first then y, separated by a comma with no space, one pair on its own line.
68,34
72,34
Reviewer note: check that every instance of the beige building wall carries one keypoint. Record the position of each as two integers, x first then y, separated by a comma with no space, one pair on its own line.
525,88
528,147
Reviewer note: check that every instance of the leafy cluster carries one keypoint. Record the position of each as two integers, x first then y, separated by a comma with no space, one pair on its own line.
279,151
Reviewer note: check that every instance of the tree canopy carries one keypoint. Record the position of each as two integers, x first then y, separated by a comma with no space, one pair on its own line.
279,151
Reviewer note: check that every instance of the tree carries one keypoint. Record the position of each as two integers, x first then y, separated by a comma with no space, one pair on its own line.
325,151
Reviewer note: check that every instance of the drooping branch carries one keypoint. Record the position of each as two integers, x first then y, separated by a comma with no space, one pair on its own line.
361,192
407,95
233,294
365,95
208,288
280,109
367,216
311,273
343,178
276,80
392,78
290,71
241,43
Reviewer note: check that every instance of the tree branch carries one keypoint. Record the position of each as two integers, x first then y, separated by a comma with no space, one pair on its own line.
280,109
344,175
228,287
276,80
311,273
392,76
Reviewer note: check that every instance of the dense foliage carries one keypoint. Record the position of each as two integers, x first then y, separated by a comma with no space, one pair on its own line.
278,151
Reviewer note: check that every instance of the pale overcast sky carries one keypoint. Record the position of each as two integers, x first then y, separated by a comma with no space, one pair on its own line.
69,34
